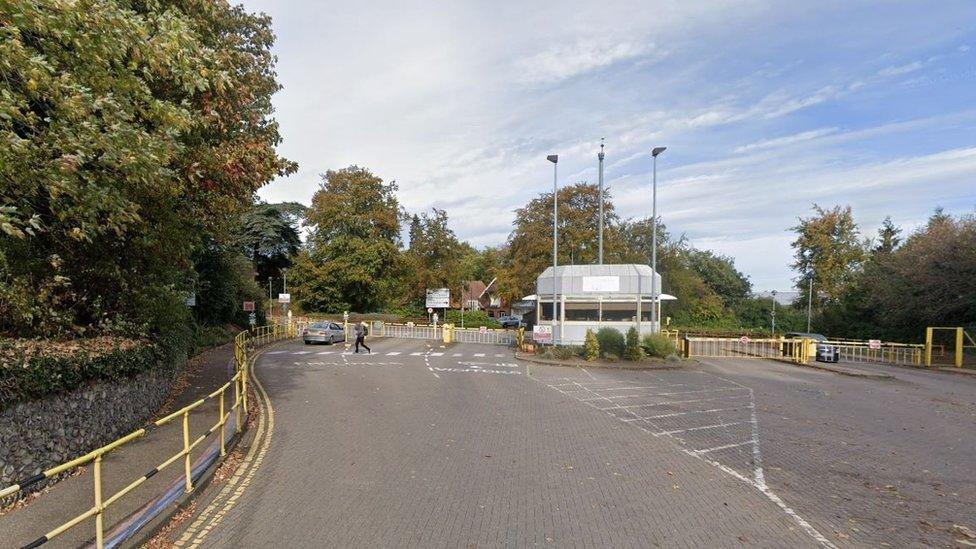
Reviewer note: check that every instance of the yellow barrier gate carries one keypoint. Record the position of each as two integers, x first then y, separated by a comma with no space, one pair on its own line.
939,339
793,350
242,345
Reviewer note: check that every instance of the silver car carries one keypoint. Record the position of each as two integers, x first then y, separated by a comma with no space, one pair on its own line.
323,332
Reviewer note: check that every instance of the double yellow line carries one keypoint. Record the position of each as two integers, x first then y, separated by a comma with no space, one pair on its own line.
232,491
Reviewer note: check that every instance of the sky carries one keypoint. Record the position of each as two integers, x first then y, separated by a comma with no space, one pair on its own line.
766,108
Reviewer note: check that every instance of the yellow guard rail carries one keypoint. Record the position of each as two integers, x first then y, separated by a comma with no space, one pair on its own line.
239,381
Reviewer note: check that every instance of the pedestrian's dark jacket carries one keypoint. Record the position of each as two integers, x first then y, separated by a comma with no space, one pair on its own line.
360,331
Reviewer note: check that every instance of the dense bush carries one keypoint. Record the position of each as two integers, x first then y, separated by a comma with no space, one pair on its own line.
633,349
591,346
611,342
567,352
36,369
658,345
472,319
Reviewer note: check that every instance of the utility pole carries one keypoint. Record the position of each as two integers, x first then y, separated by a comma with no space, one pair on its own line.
554,158
809,302
270,302
654,287
774,314
600,230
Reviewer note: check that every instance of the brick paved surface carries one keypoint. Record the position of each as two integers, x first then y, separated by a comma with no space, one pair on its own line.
418,445
422,450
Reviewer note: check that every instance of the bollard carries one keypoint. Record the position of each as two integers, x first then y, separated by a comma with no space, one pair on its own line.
186,452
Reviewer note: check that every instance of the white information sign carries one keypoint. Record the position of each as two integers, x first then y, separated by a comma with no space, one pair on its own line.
542,334
874,344
483,330
438,298
284,298
601,283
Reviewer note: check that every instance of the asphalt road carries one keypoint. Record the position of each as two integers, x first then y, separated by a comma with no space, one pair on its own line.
418,445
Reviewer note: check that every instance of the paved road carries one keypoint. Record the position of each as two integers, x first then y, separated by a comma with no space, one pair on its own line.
418,445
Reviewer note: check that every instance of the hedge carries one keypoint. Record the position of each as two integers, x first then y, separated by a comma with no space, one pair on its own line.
35,369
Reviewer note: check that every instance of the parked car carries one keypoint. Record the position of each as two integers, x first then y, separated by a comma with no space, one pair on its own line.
509,321
323,332
825,351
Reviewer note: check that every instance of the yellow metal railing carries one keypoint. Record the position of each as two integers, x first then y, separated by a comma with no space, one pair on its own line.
907,354
242,344
794,350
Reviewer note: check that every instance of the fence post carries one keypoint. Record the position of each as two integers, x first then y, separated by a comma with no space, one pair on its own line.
186,452
237,402
99,535
223,451
928,347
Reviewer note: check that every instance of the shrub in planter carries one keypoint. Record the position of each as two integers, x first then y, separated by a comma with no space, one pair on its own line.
611,341
567,352
591,346
658,345
633,349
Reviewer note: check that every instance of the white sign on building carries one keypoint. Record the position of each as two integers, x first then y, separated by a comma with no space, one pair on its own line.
284,298
438,298
601,283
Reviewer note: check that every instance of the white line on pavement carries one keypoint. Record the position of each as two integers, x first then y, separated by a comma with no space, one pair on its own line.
436,354
676,414
724,447
394,353
716,426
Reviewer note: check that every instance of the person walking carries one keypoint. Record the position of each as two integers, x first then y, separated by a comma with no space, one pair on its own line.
361,337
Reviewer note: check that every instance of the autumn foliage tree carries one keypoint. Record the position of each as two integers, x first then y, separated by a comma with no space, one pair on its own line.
128,131
352,260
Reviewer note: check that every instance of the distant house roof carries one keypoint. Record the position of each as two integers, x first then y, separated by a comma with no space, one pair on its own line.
489,287
472,290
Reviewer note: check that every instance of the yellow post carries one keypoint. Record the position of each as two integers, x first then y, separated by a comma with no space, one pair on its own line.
237,401
223,451
186,452
99,535
928,347
959,347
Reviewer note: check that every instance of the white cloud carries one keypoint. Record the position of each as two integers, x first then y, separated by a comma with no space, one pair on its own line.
562,61
786,140
901,69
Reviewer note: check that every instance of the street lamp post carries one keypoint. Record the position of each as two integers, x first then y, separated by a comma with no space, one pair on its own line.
654,287
809,301
774,314
270,301
600,229
554,158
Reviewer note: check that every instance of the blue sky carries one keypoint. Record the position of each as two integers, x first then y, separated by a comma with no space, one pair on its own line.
765,107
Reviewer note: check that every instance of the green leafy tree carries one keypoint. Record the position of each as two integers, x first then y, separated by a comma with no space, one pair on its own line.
353,260
129,132
268,236
829,249
433,256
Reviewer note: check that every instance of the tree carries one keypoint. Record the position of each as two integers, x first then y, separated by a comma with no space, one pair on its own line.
530,243
718,272
268,236
129,132
888,237
352,260
434,255
829,249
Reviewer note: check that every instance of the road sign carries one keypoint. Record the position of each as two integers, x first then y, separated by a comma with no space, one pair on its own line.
345,316
542,334
191,299
744,340
284,298
483,330
252,319
410,324
430,310
438,298
874,344
248,305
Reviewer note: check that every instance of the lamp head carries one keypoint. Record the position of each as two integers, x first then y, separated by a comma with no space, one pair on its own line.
553,158
658,150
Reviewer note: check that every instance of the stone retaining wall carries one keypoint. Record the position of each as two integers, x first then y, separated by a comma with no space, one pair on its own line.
40,434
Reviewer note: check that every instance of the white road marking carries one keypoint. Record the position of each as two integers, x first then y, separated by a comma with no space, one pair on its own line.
724,447
676,414
716,426
416,354
458,354
499,355
394,353
436,354
301,352
275,352
758,481
325,353
479,354
670,402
